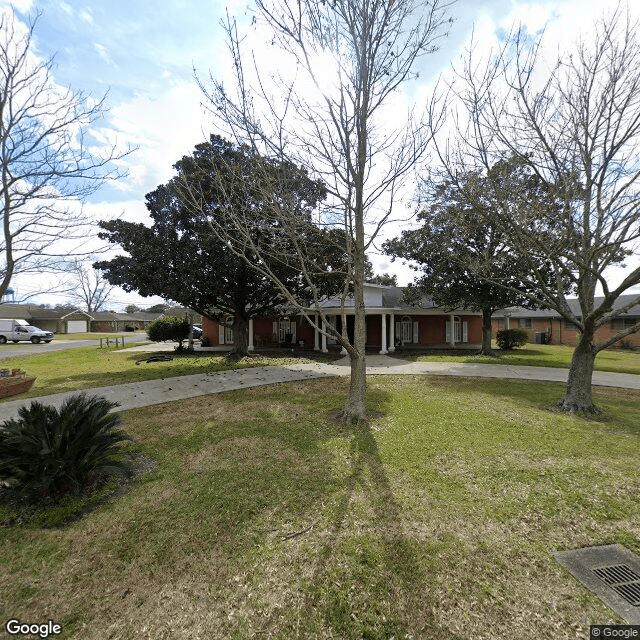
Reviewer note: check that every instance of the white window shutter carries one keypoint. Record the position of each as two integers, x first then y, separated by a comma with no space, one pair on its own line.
220,334
465,332
447,332
292,331
415,332
275,332
398,335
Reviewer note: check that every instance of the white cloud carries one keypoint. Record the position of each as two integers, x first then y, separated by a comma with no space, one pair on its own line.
104,53
163,127
66,8
23,6
86,15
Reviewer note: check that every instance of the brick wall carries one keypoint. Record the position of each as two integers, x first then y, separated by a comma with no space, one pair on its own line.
561,332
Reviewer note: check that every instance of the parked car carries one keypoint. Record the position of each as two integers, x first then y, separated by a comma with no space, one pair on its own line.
197,331
17,330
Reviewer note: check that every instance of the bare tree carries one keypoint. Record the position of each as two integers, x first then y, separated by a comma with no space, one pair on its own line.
90,288
574,125
47,166
351,58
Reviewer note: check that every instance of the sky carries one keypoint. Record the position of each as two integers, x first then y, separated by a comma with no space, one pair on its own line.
144,54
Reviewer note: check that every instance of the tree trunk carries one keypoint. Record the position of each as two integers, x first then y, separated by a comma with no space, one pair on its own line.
577,398
486,349
240,346
355,409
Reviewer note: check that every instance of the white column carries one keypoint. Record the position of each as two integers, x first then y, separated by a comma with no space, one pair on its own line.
324,339
251,334
316,335
452,337
392,333
383,351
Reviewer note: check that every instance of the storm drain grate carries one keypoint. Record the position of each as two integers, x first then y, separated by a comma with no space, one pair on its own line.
623,580
612,573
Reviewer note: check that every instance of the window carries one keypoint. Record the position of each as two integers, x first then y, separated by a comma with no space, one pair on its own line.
571,325
284,328
460,330
618,324
225,333
407,330
524,323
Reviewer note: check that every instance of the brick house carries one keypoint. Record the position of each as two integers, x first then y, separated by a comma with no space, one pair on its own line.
557,330
389,324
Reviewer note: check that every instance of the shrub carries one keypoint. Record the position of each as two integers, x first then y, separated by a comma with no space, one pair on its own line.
510,338
128,327
168,328
47,454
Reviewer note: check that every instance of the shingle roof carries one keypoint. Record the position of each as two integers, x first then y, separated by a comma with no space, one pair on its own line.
521,312
27,311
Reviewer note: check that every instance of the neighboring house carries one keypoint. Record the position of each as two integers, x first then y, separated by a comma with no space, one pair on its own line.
112,321
76,320
389,322
557,330
56,320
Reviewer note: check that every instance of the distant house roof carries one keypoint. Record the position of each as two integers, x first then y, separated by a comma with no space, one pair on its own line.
17,311
34,312
55,314
574,305
145,315
102,316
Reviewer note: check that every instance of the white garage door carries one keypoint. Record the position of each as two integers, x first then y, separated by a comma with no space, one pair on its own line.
76,326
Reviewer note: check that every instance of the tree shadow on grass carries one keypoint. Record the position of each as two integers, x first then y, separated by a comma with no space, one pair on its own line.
369,579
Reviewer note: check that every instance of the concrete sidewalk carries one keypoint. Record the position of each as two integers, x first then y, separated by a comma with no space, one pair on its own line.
133,395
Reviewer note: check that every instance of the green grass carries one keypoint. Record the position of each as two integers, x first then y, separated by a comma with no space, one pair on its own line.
130,336
87,367
544,355
264,518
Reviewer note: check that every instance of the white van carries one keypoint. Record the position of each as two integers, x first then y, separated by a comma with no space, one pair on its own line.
17,330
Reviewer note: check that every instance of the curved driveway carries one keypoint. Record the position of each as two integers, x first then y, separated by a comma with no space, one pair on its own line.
134,395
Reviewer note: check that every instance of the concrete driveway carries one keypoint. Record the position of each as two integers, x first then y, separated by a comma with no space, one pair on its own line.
134,395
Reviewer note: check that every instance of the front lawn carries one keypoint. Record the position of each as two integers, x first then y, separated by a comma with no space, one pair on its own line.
545,355
266,519
87,367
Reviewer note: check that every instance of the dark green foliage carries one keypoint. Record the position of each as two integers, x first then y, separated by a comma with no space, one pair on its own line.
511,338
387,279
179,258
48,453
168,328
463,251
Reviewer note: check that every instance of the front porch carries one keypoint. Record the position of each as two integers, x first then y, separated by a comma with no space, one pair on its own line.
387,330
